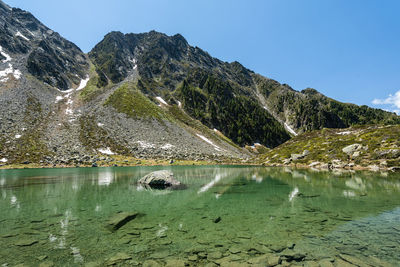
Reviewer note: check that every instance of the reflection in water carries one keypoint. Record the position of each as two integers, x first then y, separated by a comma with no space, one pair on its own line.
13,200
349,193
205,188
63,213
162,230
76,254
106,177
356,183
257,178
294,193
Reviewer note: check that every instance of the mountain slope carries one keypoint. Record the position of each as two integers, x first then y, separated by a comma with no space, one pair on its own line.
310,110
145,95
245,106
45,115
372,147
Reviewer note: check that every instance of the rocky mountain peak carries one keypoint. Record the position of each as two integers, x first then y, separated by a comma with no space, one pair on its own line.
34,49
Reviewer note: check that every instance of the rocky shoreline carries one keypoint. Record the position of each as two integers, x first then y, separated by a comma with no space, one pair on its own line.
318,166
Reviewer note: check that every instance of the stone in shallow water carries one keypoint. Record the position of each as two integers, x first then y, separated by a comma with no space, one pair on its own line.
325,263
342,263
9,235
47,264
166,242
133,232
233,264
124,241
92,264
193,258
160,180
217,220
41,258
118,258
277,248
273,260
151,263
260,260
174,263
352,260
311,264
235,258
235,250
291,255
140,248
214,256
160,255
141,226
120,219
378,262
26,242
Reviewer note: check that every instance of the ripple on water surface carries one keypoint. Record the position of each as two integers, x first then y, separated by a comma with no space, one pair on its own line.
226,214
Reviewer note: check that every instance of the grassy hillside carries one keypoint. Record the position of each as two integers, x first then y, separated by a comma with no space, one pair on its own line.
372,145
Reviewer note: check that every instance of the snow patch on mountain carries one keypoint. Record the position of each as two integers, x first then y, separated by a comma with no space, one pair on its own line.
162,101
83,83
144,144
10,70
290,129
209,141
8,58
106,151
19,34
167,146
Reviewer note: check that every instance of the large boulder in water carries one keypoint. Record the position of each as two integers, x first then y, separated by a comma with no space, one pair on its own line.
160,180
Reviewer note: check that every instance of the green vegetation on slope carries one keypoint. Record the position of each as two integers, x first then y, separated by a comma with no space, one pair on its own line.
30,147
238,117
127,99
310,110
94,137
380,146
94,87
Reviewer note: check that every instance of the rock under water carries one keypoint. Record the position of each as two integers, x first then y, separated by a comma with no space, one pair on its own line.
120,219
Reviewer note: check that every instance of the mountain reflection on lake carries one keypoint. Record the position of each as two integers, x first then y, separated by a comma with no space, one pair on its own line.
225,215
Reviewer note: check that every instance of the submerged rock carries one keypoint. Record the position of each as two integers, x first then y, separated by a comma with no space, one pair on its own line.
217,220
47,264
26,242
120,220
174,263
151,263
160,180
117,258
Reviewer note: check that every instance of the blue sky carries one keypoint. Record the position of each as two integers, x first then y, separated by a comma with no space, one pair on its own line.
348,50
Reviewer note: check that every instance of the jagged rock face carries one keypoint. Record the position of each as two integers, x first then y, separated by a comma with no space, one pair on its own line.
158,55
217,93
39,51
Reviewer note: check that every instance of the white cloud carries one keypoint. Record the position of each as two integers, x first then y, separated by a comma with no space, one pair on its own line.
393,100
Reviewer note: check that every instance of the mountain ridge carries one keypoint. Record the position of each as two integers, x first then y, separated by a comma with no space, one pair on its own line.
146,95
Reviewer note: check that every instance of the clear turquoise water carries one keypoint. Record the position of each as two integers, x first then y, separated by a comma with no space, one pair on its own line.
59,215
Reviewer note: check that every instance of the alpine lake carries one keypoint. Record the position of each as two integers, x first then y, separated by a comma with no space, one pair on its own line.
226,216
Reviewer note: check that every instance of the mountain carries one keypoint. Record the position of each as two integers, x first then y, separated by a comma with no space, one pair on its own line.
145,95
245,106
